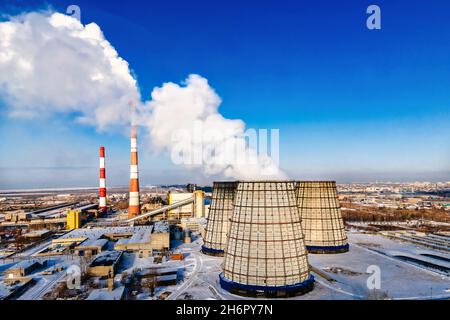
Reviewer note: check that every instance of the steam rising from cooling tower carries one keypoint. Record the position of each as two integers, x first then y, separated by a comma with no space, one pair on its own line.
265,252
322,222
220,213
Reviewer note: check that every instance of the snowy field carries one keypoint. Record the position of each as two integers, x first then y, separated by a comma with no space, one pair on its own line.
340,276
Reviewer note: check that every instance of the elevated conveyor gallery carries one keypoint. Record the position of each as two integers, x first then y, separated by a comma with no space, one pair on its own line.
162,210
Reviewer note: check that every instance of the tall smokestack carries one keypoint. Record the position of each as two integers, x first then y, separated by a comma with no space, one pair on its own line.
102,190
133,206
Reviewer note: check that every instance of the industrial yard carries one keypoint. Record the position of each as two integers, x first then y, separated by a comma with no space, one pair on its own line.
196,277
216,151
174,250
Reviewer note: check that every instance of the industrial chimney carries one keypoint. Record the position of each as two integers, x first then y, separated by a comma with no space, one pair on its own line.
133,205
321,215
102,190
265,254
219,215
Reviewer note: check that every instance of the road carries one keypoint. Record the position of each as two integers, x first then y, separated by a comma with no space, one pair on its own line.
198,266
43,285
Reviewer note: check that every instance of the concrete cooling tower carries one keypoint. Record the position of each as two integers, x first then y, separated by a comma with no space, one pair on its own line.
322,222
218,218
265,255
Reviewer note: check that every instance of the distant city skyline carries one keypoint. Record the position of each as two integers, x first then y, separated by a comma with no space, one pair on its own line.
351,104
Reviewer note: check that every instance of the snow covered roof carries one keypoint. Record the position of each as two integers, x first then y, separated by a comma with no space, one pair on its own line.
161,227
25,264
106,258
94,243
105,294
141,236
96,233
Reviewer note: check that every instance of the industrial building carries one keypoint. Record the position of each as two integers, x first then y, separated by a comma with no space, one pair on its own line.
90,242
145,240
105,264
23,268
265,254
194,209
91,247
322,223
219,215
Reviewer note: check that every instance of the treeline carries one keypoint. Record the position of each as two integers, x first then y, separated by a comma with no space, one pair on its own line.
374,214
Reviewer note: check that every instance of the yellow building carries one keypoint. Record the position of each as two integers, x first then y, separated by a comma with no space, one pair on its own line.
199,204
194,209
73,219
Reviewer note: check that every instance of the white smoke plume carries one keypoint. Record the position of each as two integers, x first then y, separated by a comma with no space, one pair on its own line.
185,121
51,63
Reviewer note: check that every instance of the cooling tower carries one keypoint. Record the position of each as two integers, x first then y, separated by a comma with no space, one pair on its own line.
322,222
265,254
218,218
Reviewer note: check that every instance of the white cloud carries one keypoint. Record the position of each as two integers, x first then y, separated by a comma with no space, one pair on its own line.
185,121
51,63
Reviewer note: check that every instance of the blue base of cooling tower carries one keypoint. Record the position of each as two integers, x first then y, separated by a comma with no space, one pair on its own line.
267,291
328,249
212,252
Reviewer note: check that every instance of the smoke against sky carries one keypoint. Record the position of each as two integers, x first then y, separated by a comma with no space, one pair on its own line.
50,63
185,121
346,110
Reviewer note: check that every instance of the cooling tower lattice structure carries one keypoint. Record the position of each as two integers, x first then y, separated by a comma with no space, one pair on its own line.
219,215
265,254
321,215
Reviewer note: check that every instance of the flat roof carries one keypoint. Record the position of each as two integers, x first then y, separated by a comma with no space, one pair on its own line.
161,227
25,264
96,233
106,258
93,243
105,294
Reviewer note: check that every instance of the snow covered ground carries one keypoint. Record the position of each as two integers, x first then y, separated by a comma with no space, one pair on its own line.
399,279
342,276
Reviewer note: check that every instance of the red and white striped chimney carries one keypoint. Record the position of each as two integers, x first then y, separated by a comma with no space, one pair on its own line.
102,190
134,208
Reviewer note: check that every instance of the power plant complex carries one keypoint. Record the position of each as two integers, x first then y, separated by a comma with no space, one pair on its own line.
265,230
238,239
265,253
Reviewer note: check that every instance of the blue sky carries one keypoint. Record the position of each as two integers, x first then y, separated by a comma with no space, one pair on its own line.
351,104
